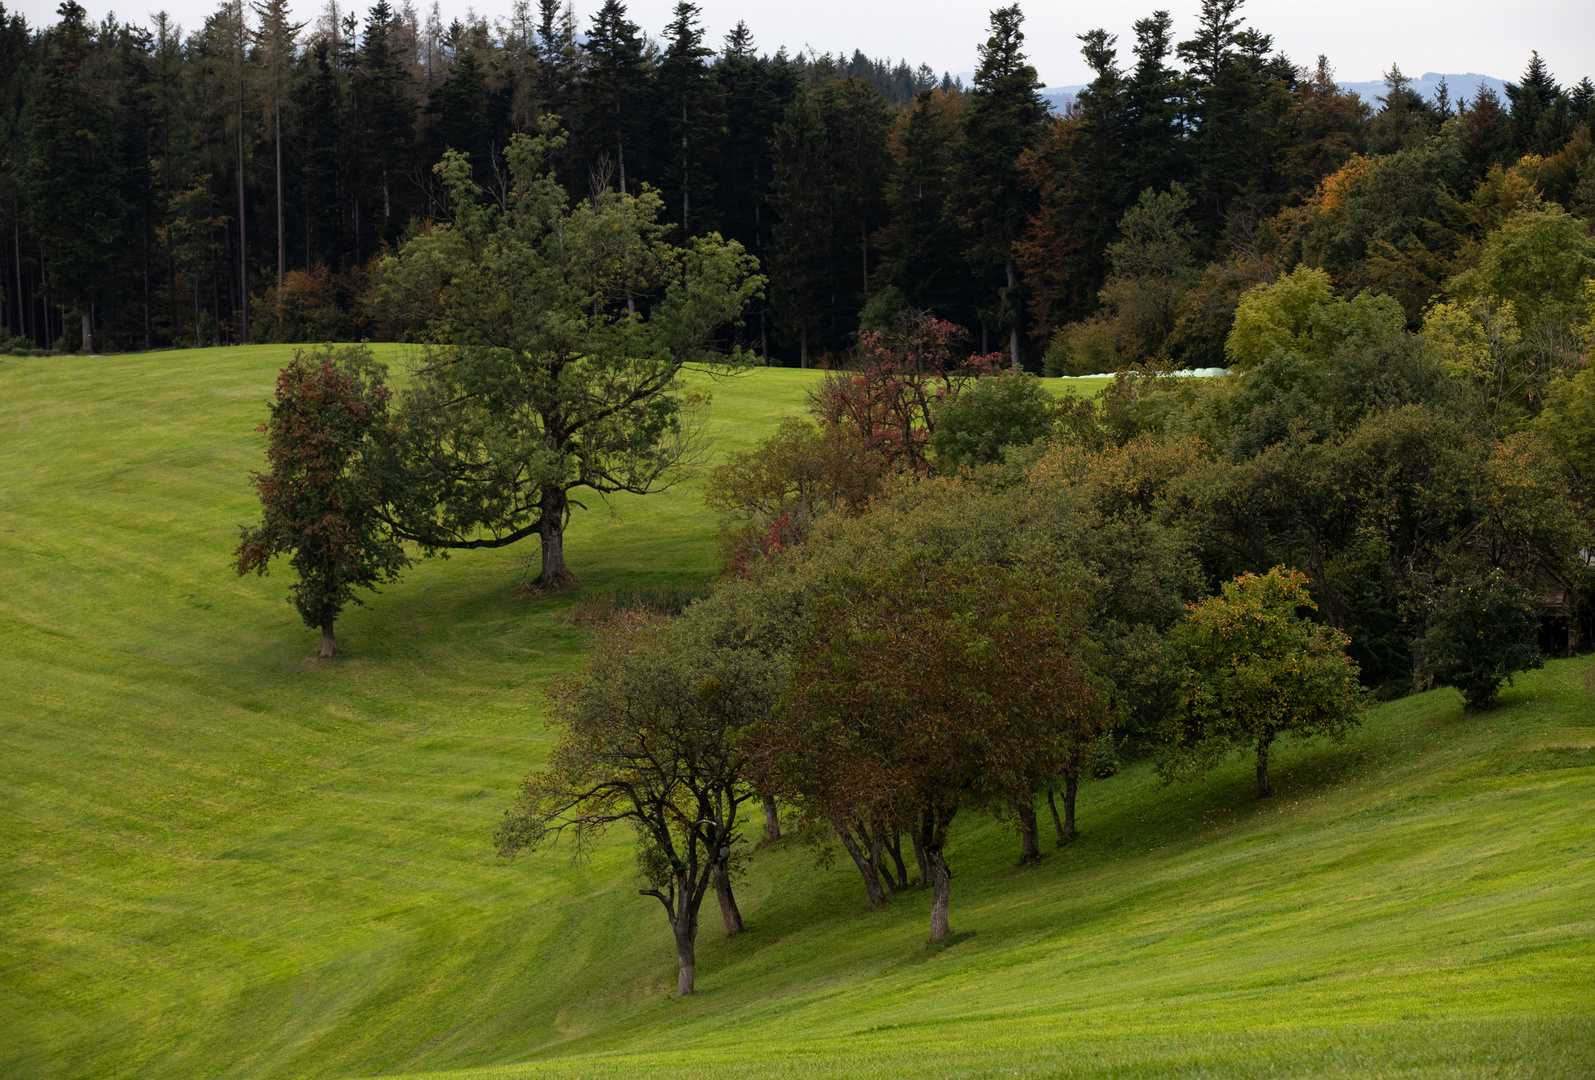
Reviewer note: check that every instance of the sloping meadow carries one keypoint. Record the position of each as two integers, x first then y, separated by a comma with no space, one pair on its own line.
227,859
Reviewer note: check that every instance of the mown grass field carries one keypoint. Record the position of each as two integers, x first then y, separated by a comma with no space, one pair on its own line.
224,859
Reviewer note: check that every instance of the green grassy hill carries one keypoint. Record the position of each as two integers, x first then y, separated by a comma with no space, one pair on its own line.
226,860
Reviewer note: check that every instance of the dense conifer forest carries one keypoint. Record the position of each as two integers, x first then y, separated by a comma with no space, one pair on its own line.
167,186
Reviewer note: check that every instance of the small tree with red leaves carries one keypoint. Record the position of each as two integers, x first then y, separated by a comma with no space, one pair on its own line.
329,418
885,397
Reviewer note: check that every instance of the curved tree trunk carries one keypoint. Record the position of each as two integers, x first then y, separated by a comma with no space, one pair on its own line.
1057,823
772,820
329,647
1264,789
866,869
1029,833
895,847
728,902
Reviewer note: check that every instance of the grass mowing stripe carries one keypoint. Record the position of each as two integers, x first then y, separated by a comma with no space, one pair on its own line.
230,861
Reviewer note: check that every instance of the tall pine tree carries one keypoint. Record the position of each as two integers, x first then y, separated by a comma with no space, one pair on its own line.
1005,117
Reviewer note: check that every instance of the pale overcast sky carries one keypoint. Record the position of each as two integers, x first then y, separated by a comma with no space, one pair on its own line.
1361,37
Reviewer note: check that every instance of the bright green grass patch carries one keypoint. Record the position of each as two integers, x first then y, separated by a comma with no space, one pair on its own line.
225,859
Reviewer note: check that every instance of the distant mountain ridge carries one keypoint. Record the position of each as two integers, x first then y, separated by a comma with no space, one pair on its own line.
1462,86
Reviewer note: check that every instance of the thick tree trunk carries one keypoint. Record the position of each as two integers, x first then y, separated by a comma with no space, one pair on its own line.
1071,785
728,902
1057,825
329,647
554,575
88,332
687,958
941,882
772,820
866,869
1029,834
1264,790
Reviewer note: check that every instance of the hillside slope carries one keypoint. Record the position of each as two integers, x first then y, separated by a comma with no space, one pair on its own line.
227,860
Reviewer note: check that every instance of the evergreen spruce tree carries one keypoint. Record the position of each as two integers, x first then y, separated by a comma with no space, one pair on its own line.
689,121
1152,104
387,122
1539,110
275,41
71,172
802,238
1005,117
616,78
922,247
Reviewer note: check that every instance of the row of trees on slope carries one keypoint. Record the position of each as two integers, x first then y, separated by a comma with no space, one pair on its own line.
239,182
950,592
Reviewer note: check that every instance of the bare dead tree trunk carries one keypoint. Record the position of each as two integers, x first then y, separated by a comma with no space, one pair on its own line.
1029,833
772,820
1013,329
329,647
282,236
243,256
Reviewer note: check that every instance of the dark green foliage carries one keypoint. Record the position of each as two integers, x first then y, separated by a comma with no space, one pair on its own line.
545,379
72,170
1003,119
1482,631
1539,110
987,417
831,164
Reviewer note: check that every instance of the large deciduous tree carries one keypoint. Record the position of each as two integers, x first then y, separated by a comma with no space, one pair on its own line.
328,422
921,685
543,379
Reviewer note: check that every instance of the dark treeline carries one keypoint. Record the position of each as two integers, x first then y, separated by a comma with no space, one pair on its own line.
235,181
